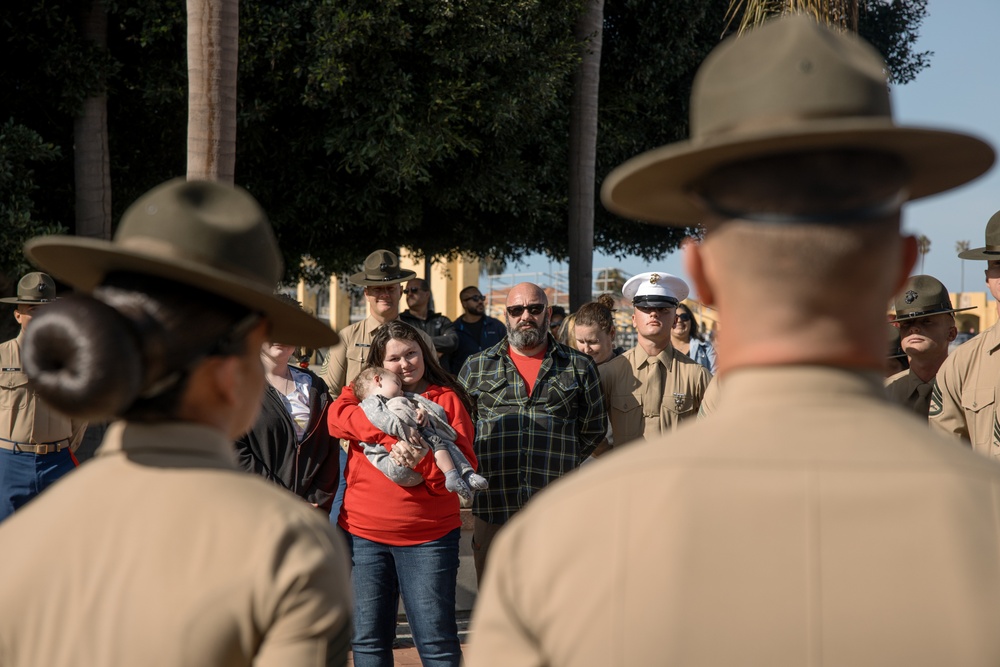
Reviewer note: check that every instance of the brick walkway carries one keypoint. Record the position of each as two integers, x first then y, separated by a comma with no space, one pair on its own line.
405,654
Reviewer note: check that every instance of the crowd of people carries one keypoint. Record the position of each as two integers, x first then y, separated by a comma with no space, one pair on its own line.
755,498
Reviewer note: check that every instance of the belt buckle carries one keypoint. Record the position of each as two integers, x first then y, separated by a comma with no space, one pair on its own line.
44,449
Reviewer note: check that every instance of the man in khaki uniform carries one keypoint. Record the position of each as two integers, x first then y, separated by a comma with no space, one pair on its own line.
36,441
804,522
926,324
381,278
161,550
967,387
652,388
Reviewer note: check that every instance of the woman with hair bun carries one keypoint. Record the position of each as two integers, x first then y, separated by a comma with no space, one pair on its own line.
594,329
160,550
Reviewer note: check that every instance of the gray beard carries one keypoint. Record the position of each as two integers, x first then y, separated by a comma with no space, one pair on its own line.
526,339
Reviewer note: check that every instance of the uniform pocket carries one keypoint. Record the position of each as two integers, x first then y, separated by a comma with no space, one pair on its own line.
13,390
979,404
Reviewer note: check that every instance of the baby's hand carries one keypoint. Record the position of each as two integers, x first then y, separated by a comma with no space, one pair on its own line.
412,436
421,416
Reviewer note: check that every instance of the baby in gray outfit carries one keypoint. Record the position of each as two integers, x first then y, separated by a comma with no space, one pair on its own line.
404,414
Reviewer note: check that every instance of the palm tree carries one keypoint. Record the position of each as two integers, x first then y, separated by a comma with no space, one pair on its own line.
960,247
583,153
213,53
91,157
841,13
923,247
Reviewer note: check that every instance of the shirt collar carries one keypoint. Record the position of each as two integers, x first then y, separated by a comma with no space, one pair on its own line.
170,439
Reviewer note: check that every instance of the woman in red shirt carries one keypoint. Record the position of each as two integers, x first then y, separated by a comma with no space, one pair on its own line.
404,540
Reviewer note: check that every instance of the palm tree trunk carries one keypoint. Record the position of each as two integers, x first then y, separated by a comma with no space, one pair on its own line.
213,49
583,154
91,161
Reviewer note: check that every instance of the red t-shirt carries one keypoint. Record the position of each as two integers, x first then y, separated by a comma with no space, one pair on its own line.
528,367
376,508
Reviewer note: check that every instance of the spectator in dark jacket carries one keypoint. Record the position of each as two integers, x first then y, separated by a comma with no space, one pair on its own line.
476,330
290,442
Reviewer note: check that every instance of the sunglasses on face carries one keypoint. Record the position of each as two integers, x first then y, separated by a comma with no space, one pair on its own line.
534,309
684,317
412,290
477,298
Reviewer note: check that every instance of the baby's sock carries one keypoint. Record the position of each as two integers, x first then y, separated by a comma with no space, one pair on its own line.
476,481
453,482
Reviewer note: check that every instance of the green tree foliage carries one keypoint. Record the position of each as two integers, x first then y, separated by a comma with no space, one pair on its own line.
439,125
20,149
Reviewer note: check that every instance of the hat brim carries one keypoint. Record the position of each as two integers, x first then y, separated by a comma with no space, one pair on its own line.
984,253
654,186
915,316
362,279
19,301
82,264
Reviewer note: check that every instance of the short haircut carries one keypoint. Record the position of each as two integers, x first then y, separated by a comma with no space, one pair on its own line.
365,380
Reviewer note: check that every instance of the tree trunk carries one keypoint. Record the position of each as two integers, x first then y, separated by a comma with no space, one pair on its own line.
583,154
91,162
213,50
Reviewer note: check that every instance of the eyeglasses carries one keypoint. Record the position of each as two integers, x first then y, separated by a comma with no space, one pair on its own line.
477,298
534,309
683,317
412,290
654,309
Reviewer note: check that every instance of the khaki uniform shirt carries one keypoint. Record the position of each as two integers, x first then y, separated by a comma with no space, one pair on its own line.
964,399
161,552
347,358
807,522
906,389
25,418
623,380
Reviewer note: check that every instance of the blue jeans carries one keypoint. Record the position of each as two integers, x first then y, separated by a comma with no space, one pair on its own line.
425,575
338,498
24,475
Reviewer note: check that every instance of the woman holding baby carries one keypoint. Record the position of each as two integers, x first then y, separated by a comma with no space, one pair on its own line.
403,539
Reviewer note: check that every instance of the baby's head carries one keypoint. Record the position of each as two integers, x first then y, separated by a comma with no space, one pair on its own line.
377,381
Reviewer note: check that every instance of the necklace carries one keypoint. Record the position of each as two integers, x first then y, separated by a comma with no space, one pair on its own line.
286,384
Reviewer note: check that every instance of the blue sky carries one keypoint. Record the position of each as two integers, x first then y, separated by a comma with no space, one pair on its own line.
958,91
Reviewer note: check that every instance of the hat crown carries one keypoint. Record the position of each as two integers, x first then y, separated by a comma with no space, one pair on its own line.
922,296
993,232
786,71
382,268
36,286
205,222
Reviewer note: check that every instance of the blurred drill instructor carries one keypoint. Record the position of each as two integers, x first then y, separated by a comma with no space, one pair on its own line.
161,550
806,522
36,441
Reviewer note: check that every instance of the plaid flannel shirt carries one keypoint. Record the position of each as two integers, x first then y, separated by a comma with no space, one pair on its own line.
525,442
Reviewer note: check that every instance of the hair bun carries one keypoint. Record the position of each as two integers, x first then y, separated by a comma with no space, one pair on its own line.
81,357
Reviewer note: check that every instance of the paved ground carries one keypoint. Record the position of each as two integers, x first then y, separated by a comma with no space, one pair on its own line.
406,655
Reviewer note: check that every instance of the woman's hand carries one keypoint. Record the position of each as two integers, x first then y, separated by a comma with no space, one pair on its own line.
408,454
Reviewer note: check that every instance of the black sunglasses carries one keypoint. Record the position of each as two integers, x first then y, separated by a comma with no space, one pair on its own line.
684,317
477,297
533,309
412,290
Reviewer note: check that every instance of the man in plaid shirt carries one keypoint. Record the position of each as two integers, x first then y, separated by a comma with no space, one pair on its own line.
539,413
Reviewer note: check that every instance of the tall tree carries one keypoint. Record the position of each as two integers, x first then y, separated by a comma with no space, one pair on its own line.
91,155
583,153
213,55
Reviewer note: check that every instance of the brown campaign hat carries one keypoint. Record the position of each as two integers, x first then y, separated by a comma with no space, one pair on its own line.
382,268
33,289
207,235
992,248
922,296
790,86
